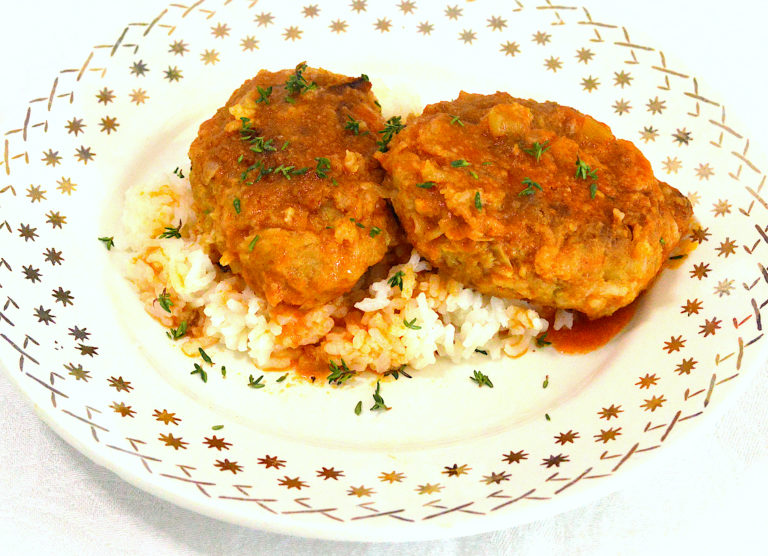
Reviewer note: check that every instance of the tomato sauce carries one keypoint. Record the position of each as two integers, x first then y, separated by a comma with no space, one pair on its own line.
588,335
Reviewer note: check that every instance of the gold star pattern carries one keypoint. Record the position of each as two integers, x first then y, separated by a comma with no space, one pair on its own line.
173,74
649,133
292,33
429,488
78,372
75,126
621,107
358,5
271,462
108,124
672,165
514,457
724,287
566,437
497,23
51,158
165,417
700,235
710,327
79,333
52,256
391,477
726,248
178,48
45,316
685,366
608,413
654,403
264,19
209,57
122,409
90,351
694,197
456,470
338,26
495,478
27,232
590,83
674,344
704,171
721,207
329,473
172,441
622,79
311,11
214,442
607,435
555,460
119,384
249,43
467,36
360,491
36,194
382,25
510,48
139,96
64,297
105,96
656,106
542,38
227,465
290,483
691,307
139,68
584,55
700,270
84,154
553,64
426,28
682,136
30,273
647,381
407,6
453,12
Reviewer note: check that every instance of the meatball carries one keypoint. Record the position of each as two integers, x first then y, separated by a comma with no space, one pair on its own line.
286,188
532,201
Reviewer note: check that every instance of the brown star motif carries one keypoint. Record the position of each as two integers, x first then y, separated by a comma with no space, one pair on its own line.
30,273
271,461
173,74
704,171
35,193
453,12
84,154
51,158
685,366
654,403
382,25
119,384
682,136
674,344
66,186
139,96
358,5
109,124
510,48
172,441
647,381
165,417
727,247
292,33
429,488
227,465
672,165
555,461
607,435
359,491
90,351
178,48
694,197
456,470
710,327
53,256
139,68
584,55
329,473
290,483
78,372
495,478
426,28
700,270
311,11
63,296
622,79
218,443
55,219
27,232
566,437
700,235
338,26
105,96
249,43
590,83
514,457
407,6
610,412
649,133
552,63
724,287
656,106
264,19
79,333
621,107
75,126
542,38
220,31
391,477
691,307
497,23
122,409
467,36
721,207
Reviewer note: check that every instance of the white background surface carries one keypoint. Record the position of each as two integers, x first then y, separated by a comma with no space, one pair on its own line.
706,495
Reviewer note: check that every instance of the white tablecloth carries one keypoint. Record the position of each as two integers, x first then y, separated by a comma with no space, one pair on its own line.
707,495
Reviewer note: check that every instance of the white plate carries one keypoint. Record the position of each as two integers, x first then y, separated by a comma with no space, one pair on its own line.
448,458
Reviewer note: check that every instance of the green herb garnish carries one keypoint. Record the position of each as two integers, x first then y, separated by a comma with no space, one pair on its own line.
359,408
396,280
282,378
481,379
478,201
323,167
176,333
296,83
285,145
171,232
378,400
456,120
375,230
263,94
164,300
178,172
541,340
255,383
426,185
217,427
393,127
474,174
478,350
339,374
546,382
109,242
531,188
205,356
352,125
236,204
537,149
397,372
411,324
460,163
223,372
252,244
200,371
583,170
546,416
592,190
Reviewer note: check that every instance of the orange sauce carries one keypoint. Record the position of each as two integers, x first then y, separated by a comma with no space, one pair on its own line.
588,335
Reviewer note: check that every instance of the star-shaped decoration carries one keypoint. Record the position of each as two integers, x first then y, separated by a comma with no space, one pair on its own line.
497,23
122,409
566,437
78,372
292,33
691,307
360,491
105,96
495,478
84,154
721,207
622,79
425,28
249,43
542,38
63,296
226,465
338,26
647,381
553,64
685,366
172,441
292,482
165,417
75,126
584,55
590,83
264,19
724,287
514,457
456,470
726,248
700,270
694,197
621,107
55,219
710,327
108,124
79,333
52,256
429,488
90,351
220,31
35,193
271,462
139,69
139,96
672,165
704,171
30,273
391,477
607,435
608,413
119,384
358,5
178,48
209,57
51,158
27,232
700,235
311,11
649,133
656,106
407,6
682,136
555,460
382,25
654,403
218,443
45,316
510,48
173,74
674,344
467,36
329,473
453,12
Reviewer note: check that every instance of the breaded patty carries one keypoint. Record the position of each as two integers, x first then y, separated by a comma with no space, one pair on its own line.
286,186
533,201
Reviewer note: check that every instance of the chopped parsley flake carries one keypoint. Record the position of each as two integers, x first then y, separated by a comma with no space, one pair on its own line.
359,408
396,281
285,145
546,382
478,350
481,379
393,127
109,242
474,174
531,188
364,77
